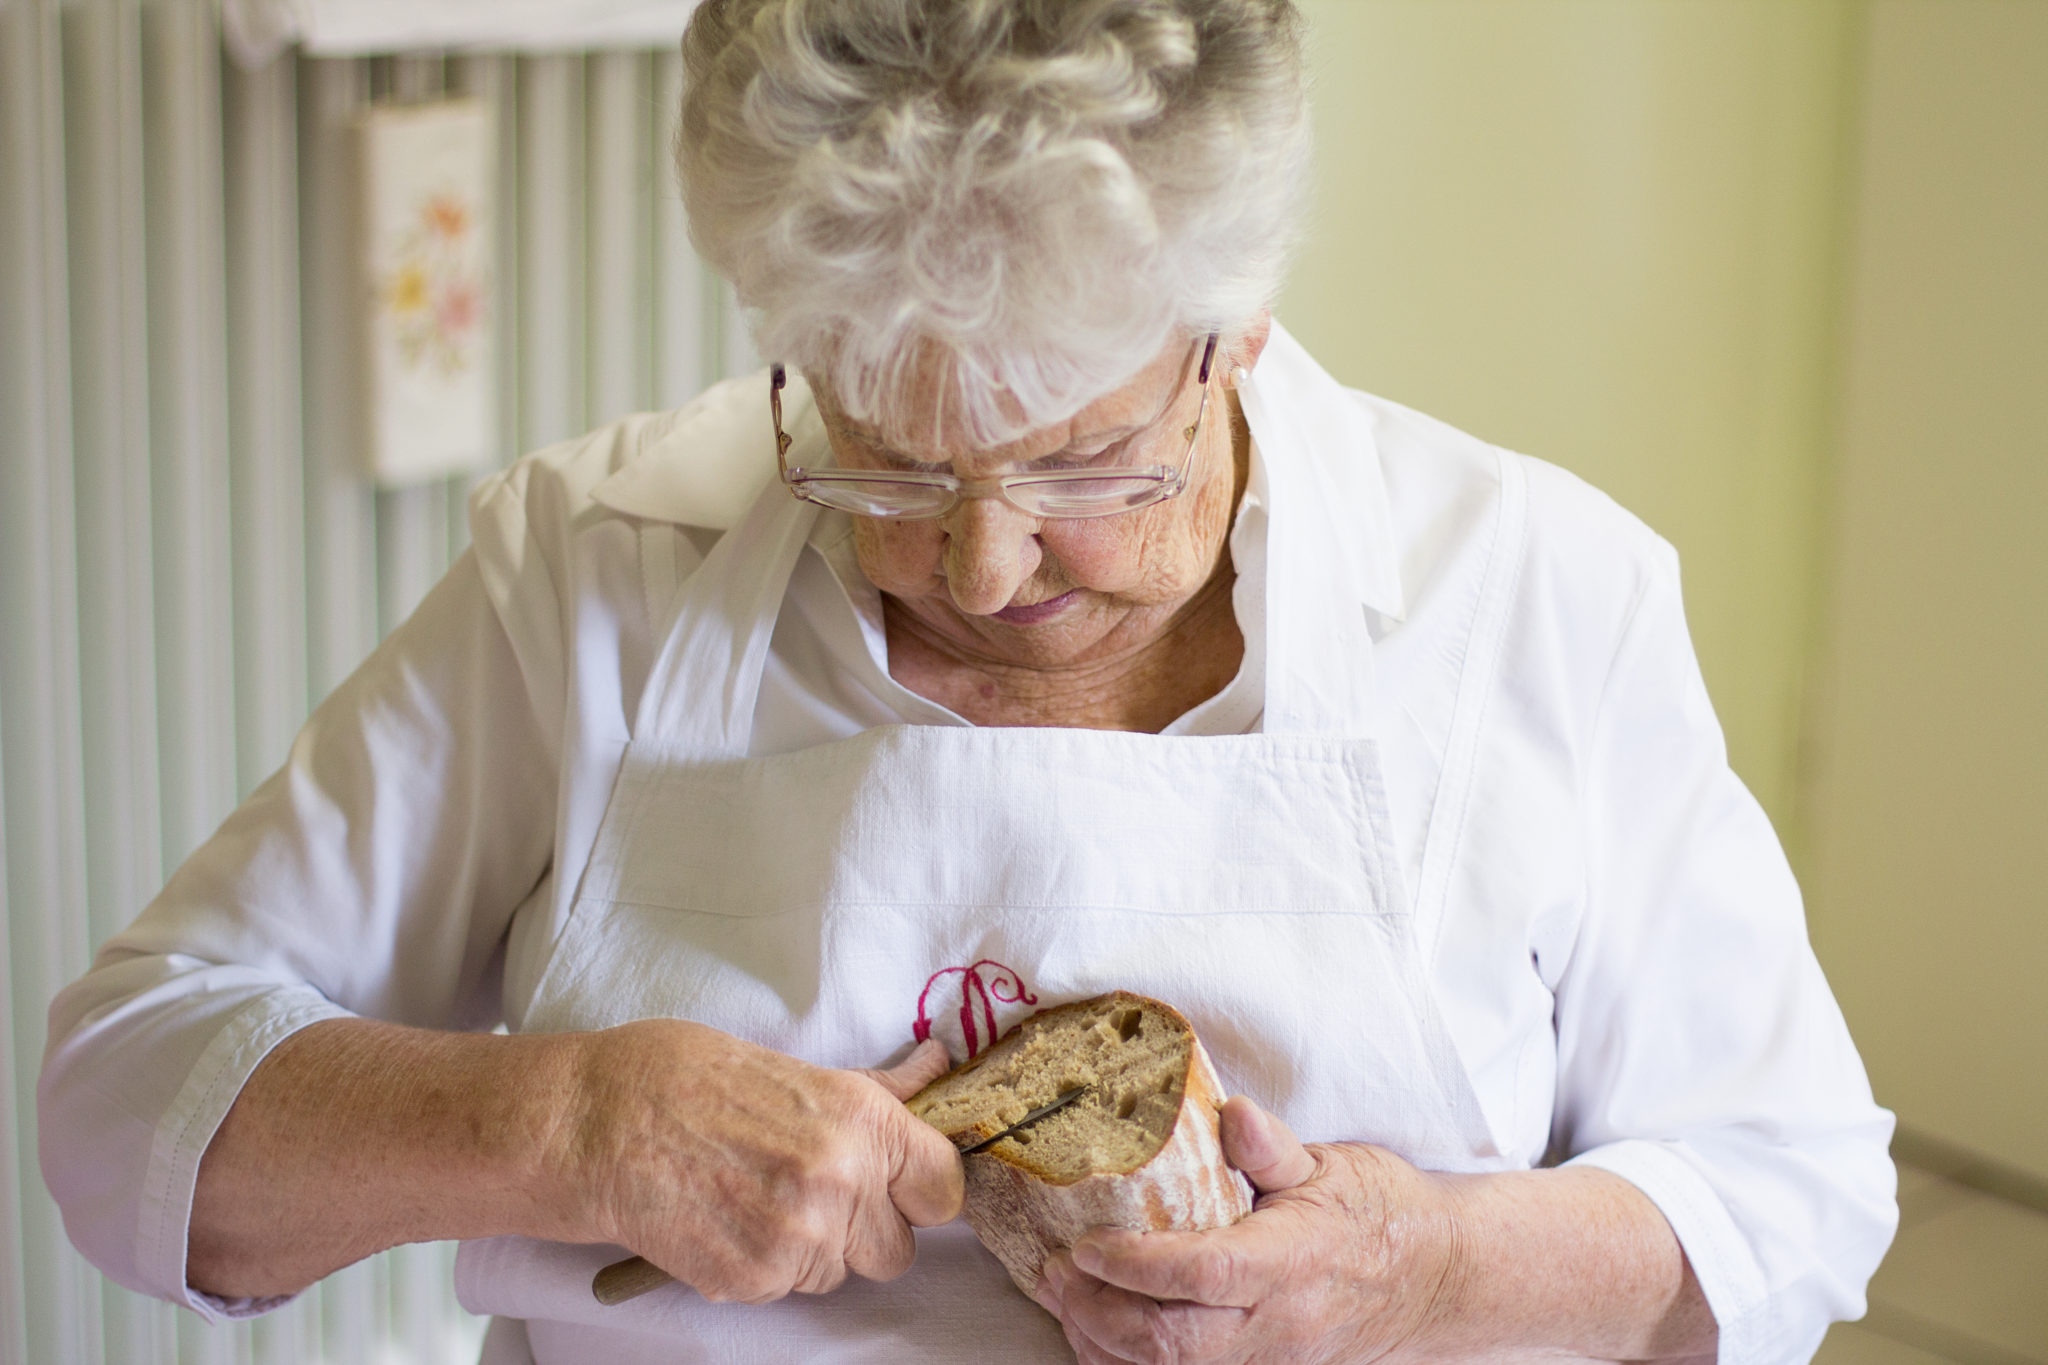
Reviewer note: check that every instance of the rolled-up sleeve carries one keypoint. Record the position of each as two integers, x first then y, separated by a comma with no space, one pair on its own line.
1701,1054
374,874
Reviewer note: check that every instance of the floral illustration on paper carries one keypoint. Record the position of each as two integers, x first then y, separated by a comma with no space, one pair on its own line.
433,295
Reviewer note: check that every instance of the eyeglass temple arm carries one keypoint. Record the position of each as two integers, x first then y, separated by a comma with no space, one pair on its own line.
1180,478
776,379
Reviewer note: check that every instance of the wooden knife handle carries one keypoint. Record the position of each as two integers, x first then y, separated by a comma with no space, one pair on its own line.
627,1279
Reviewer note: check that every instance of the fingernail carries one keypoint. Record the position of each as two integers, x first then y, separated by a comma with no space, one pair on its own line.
1047,1297
1088,1256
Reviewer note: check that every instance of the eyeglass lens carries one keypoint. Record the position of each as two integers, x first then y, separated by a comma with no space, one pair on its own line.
1100,496
1066,496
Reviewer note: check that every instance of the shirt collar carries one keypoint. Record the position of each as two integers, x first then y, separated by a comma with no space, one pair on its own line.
706,465
1324,435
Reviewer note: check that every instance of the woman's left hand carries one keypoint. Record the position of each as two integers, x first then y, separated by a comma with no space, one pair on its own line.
1350,1254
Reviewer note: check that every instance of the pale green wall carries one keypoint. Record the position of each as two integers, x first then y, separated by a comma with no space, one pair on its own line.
1603,232
1774,273
1929,788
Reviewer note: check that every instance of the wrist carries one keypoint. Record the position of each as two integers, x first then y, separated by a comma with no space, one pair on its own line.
1406,1290
1569,1262
534,1141
1430,1234
610,1103
1446,1258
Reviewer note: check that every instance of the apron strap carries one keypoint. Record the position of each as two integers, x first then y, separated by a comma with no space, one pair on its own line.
1498,585
1320,677
700,694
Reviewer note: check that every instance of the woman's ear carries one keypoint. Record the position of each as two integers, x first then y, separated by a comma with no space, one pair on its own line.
1242,355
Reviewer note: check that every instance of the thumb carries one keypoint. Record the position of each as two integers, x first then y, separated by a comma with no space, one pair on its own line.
1263,1147
926,1063
926,1182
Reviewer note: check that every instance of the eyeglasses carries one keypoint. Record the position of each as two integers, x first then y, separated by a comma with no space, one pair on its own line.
913,495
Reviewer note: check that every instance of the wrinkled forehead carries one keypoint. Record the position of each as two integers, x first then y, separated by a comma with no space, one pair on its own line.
925,419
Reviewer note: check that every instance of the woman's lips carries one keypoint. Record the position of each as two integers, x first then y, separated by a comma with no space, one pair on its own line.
1032,613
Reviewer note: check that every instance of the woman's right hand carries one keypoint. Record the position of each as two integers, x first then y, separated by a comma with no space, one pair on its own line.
747,1174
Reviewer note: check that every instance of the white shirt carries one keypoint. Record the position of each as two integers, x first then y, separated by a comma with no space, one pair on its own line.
1621,955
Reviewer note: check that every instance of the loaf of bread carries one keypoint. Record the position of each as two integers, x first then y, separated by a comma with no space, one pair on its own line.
1140,1149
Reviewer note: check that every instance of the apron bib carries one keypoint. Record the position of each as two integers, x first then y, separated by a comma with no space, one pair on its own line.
832,902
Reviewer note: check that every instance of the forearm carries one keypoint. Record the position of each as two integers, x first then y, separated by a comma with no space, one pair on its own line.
353,1136
1564,1264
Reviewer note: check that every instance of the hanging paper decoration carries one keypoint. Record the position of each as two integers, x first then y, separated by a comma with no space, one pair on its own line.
257,30
427,174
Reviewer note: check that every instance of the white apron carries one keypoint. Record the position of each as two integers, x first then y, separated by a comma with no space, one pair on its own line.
814,902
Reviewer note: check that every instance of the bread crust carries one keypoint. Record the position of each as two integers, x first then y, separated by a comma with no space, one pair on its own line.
1023,1217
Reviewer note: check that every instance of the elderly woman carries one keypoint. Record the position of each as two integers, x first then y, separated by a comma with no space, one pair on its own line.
1045,622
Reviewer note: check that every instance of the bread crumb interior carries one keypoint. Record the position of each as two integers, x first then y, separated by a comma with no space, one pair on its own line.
1133,1059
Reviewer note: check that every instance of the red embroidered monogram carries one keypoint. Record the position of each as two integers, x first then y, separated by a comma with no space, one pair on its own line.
974,986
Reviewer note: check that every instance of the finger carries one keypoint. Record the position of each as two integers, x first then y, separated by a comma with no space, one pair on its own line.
879,1244
1233,1267
927,1183
726,1278
1138,1327
926,1063
1086,1351
1047,1294
1263,1147
821,1271
718,1260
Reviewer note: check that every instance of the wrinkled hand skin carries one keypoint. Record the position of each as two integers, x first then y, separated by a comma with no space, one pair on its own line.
747,1174
1347,1256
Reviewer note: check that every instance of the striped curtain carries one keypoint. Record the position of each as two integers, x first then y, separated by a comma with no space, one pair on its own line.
189,557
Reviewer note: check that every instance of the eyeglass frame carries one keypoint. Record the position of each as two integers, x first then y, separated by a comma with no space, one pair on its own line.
1171,483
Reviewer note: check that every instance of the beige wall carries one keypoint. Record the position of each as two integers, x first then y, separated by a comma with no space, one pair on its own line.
1774,273
1929,795
1601,231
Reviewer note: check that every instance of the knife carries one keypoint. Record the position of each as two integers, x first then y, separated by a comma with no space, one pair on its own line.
1034,1116
634,1276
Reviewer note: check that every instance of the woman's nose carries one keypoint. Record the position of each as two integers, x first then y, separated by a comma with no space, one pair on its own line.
991,548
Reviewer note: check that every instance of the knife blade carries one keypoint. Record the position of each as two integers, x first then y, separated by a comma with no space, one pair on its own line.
1034,1116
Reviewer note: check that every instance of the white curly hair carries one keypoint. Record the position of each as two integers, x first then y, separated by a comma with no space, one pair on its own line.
1038,194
